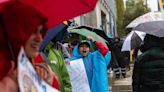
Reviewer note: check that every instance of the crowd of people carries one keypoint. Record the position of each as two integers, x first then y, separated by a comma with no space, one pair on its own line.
26,29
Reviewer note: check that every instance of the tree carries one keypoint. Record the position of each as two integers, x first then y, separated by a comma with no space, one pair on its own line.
120,16
134,9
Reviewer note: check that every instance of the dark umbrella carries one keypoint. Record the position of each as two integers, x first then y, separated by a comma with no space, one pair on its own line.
155,28
59,29
86,33
97,31
135,41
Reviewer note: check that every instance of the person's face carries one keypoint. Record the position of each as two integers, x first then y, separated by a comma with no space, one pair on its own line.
33,43
71,46
84,49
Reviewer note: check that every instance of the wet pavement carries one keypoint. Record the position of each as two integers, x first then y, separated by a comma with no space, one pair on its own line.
121,84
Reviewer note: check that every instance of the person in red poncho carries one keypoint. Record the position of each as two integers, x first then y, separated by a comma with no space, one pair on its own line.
20,25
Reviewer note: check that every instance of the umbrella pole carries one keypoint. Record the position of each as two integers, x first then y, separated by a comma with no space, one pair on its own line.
5,34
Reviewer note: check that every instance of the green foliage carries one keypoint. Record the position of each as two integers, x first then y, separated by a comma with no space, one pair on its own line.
120,15
134,9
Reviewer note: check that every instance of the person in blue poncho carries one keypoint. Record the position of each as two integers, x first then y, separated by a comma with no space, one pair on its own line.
95,63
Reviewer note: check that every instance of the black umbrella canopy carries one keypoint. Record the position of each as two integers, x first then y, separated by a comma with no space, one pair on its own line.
155,28
97,31
135,40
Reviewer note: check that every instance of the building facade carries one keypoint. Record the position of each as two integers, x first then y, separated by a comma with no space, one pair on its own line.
103,17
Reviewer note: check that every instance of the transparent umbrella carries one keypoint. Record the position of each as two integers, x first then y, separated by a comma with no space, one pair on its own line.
150,16
85,33
133,40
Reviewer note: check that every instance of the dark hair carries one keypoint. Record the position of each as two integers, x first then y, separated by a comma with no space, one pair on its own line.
152,41
84,43
117,38
75,42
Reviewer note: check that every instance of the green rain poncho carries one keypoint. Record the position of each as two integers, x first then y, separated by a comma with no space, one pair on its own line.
56,61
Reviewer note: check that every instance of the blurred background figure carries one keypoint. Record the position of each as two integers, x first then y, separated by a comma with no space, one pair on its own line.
120,64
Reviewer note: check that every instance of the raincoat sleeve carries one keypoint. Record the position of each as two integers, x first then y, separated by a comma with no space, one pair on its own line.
100,75
65,77
59,67
136,77
103,49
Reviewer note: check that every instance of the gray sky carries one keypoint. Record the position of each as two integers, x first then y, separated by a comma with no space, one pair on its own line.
153,4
